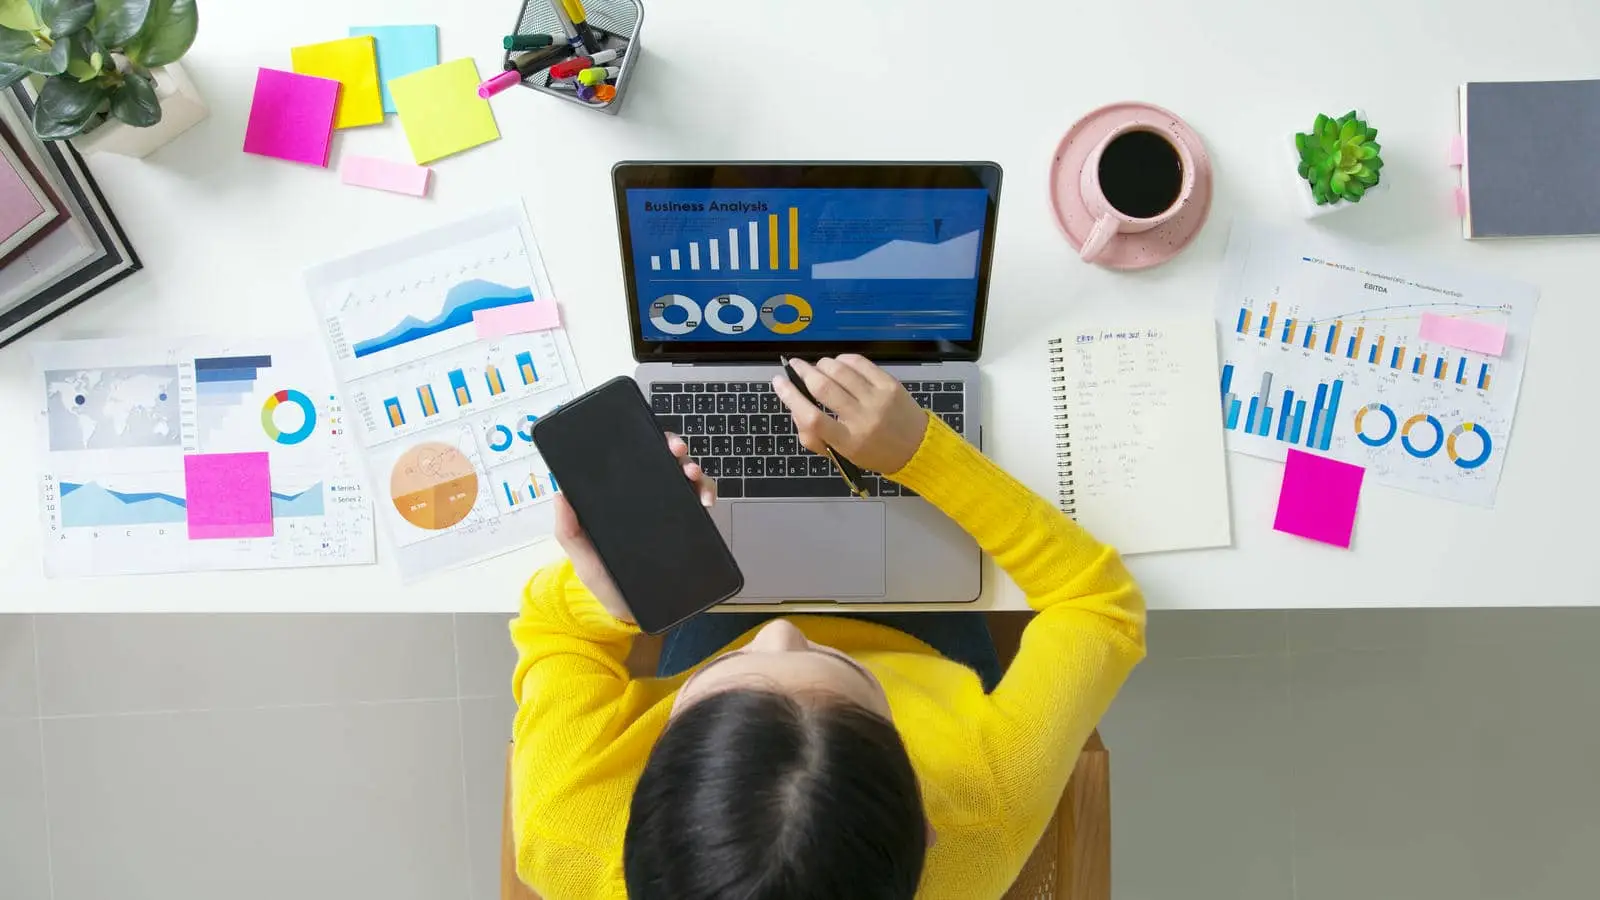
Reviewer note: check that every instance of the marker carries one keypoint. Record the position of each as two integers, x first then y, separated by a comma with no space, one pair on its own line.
580,22
572,67
598,76
567,28
528,41
605,93
523,66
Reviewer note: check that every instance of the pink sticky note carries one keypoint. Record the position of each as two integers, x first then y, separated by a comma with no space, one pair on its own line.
1479,337
291,117
385,175
1461,202
229,495
1458,151
540,315
1318,498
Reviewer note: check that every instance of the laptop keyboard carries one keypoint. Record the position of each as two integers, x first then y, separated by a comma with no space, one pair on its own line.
741,434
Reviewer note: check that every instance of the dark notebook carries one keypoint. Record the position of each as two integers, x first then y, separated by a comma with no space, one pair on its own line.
1529,168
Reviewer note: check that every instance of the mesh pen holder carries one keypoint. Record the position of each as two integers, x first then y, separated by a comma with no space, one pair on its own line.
616,24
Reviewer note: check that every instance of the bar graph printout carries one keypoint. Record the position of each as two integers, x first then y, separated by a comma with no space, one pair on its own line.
444,418
1320,352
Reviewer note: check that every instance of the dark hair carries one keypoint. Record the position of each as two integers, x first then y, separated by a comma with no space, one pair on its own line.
756,795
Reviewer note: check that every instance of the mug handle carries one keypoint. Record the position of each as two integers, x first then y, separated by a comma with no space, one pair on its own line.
1099,238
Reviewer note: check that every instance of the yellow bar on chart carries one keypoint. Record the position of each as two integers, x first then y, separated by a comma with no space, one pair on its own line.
794,237
1244,324
1272,317
1338,326
1361,332
496,386
1377,356
1293,327
772,239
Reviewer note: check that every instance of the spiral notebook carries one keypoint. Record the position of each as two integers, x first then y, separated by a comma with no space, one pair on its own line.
1138,435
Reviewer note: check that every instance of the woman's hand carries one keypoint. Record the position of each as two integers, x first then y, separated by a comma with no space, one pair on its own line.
875,423
586,562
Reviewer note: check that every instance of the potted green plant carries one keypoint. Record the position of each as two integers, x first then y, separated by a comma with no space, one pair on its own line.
106,71
1339,163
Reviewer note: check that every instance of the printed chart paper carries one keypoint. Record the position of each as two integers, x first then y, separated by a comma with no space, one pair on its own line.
1322,350
444,417
129,427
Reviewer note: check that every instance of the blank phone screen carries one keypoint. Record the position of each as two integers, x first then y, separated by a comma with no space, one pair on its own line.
645,518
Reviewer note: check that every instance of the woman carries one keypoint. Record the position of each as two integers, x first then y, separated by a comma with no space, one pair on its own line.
818,756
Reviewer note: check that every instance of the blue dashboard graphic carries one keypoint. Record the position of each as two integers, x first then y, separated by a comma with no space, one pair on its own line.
460,302
807,264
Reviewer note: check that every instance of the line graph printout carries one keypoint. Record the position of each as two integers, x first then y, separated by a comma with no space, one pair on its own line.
1321,351
443,418
117,418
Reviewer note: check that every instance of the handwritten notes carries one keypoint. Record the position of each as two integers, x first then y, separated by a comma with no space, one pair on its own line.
228,495
1318,498
402,49
442,112
1467,334
291,117
540,315
1140,446
353,62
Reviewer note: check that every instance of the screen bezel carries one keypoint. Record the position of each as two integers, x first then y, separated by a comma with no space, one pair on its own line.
707,175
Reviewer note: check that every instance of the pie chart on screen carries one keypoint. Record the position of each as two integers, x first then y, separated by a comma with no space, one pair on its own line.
433,486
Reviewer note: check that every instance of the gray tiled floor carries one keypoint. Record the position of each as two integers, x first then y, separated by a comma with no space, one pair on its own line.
1303,756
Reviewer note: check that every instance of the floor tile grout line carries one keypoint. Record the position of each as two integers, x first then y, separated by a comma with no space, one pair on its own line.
269,707
461,740
44,765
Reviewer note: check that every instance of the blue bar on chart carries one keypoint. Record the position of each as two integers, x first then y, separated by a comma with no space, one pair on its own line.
496,386
1461,371
1230,402
1288,331
397,416
1333,337
525,366
1483,377
1438,369
1286,413
425,398
1244,321
1325,409
1264,419
1311,335
458,386
1299,419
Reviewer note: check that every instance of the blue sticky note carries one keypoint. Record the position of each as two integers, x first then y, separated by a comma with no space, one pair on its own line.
402,49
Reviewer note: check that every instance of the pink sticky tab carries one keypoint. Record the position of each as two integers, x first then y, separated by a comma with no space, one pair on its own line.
540,315
1318,498
1461,202
291,117
1458,151
1479,337
385,175
229,495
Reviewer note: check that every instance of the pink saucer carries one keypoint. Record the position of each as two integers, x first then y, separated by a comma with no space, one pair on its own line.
1128,251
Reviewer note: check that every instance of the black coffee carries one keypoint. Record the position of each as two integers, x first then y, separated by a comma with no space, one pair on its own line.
1141,174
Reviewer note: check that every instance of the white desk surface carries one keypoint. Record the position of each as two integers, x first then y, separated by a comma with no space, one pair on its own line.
225,237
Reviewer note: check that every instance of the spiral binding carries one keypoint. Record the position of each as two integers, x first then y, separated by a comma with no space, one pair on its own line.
1065,484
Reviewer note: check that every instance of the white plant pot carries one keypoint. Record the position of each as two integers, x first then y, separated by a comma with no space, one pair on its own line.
182,108
1309,208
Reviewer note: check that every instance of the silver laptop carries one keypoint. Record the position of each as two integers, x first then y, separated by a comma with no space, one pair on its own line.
730,265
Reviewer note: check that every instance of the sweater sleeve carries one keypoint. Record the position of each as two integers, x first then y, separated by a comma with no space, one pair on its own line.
1075,654
569,682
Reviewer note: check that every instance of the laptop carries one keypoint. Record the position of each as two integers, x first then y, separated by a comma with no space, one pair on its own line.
730,265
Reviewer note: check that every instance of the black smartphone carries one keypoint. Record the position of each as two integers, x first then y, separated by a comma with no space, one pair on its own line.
646,521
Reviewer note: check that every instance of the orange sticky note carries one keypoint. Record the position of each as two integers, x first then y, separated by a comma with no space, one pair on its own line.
353,62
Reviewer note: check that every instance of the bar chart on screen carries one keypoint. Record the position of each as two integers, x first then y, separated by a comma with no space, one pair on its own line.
1323,351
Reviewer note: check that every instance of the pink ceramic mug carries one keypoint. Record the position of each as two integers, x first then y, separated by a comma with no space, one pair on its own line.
1109,221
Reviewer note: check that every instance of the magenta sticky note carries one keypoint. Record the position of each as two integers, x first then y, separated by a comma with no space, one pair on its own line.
1318,498
1465,334
291,117
385,175
1458,151
1461,202
229,495
540,315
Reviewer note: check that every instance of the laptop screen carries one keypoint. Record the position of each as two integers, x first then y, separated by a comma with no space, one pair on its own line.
889,260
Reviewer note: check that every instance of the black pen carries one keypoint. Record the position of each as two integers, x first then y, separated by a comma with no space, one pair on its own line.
849,471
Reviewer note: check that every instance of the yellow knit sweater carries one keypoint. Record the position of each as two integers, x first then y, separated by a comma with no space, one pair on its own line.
991,766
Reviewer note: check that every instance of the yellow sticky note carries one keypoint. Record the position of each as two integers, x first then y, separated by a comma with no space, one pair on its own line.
442,112
353,62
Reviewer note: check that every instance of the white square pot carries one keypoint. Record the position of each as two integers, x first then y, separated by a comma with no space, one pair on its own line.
182,108
1309,208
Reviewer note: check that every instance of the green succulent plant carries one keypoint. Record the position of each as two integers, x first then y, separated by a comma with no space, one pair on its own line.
94,58
1340,158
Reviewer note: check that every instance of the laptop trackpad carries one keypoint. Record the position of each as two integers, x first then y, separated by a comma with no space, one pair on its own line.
804,550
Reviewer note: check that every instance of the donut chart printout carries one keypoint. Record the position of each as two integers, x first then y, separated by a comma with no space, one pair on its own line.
1323,350
119,417
443,416
807,264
